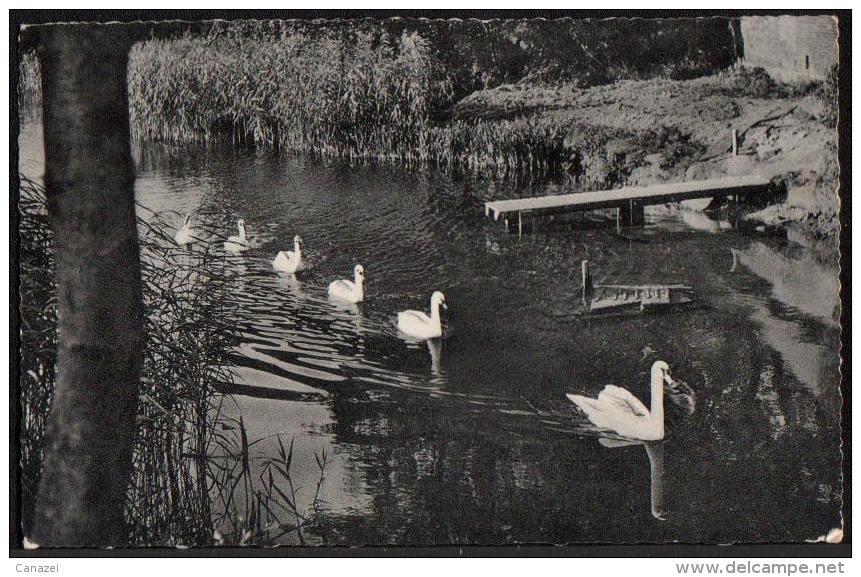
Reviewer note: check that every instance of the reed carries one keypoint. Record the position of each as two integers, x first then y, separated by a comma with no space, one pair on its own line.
38,345
345,93
192,483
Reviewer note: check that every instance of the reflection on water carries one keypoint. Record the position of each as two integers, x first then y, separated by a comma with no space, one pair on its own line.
800,286
306,424
655,453
797,279
435,350
469,439
682,217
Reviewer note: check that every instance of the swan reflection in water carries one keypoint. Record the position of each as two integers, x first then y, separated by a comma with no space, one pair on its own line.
290,282
435,349
347,308
655,452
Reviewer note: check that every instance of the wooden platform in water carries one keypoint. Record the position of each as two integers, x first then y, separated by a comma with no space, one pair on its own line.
629,199
641,298
604,298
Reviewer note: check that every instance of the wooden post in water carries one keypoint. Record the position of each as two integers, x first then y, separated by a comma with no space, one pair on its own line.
638,213
734,142
632,213
588,289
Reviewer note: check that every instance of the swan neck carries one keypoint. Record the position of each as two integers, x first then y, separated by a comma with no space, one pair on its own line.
657,404
435,312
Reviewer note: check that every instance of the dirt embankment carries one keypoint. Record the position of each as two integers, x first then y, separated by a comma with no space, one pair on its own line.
641,132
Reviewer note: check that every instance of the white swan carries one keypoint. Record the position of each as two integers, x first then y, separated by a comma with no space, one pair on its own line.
290,260
185,235
618,410
352,291
237,243
421,326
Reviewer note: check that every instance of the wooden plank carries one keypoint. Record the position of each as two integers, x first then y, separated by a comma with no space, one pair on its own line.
652,194
644,286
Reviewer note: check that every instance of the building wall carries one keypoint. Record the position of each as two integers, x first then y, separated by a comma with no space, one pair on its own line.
790,48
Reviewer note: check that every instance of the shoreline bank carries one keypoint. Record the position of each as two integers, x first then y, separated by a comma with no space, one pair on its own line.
393,101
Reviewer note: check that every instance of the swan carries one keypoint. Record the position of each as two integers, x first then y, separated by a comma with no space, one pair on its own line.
185,235
290,260
418,324
352,291
618,410
237,243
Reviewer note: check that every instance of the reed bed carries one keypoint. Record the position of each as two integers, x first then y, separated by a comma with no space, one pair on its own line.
501,149
192,482
349,94
344,93
38,344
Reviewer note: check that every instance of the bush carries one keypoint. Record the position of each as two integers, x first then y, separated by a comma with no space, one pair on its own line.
752,82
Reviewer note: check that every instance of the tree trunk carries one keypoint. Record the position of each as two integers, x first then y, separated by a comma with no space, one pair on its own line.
89,177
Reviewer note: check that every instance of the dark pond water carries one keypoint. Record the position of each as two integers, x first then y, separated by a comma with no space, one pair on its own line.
470,439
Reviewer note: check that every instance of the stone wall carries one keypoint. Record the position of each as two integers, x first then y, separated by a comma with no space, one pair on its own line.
790,48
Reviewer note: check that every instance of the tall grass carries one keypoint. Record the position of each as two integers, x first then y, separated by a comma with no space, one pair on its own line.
38,310
532,145
189,335
192,482
345,93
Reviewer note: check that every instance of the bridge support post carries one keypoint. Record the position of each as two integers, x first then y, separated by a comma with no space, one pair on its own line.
631,213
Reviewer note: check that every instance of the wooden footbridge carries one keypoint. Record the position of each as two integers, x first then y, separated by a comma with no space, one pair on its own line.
628,201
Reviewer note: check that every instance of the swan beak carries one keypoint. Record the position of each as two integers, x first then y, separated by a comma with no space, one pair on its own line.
668,379
445,306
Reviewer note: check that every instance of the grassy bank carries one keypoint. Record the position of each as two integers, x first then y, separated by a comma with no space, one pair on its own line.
192,482
639,132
